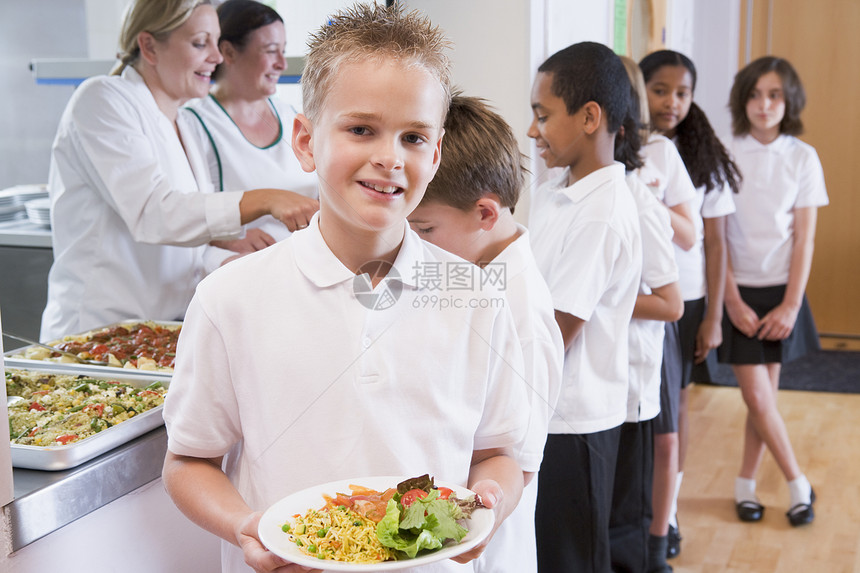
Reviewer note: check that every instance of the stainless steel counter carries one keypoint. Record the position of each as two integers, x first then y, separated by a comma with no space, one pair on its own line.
46,501
23,233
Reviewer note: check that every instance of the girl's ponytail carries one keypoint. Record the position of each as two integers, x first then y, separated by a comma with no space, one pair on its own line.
704,155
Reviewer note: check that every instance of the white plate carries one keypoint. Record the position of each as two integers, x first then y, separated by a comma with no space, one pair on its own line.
479,525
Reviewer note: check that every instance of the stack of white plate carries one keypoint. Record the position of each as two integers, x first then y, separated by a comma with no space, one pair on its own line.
13,200
24,193
39,211
10,209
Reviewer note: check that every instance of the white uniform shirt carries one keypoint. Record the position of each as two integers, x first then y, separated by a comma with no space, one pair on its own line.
777,179
513,547
646,336
236,164
586,242
662,157
303,384
127,213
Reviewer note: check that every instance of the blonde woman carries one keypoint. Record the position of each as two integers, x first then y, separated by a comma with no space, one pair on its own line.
131,196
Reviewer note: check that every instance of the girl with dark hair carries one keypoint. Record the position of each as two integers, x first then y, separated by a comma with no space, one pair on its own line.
768,320
670,80
244,130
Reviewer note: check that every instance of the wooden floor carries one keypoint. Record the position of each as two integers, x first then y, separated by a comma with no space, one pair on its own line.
825,432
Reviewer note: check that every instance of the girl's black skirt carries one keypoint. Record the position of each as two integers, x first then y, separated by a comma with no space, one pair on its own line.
740,349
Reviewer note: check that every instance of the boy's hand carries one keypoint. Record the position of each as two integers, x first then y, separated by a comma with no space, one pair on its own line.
258,557
491,496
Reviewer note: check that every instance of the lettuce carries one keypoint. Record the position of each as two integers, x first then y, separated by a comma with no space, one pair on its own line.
426,524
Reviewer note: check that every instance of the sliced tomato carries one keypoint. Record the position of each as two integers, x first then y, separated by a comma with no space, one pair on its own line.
444,492
67,438
410,496
36,406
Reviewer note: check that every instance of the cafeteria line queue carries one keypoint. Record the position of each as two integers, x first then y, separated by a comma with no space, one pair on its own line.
198,173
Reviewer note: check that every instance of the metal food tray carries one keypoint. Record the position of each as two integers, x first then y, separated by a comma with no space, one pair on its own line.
90,369
54,458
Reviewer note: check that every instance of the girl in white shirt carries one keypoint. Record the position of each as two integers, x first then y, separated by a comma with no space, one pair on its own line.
670,79
131,197
244,131
771,239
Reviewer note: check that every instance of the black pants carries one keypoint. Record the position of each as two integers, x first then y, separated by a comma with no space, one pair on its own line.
575,487
631,514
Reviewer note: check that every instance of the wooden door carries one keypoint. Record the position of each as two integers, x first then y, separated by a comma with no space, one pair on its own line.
822,40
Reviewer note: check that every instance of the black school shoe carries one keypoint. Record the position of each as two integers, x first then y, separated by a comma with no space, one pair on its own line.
802,513
751,510
673,545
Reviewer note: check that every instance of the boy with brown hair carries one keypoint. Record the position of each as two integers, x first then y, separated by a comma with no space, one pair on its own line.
339,365
468,210
586,239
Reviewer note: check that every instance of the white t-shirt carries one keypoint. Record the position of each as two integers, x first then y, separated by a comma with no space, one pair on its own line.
127,211
777,179
513,545
664,171
646,336
665,160
587,245
315,378
691,264
236,164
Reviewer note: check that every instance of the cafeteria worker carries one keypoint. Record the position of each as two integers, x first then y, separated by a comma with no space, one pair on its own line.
132,206
243,127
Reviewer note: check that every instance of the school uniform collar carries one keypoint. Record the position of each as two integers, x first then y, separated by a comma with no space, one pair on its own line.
593,181
316,261
515,256
749,144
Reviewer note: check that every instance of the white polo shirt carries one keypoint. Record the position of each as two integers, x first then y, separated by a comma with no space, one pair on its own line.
664,171
236,164
513,547
587,245
646,336
665,174
130,208
777,179
281,364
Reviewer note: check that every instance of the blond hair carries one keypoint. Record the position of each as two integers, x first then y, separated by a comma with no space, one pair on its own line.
637,82
372,32
158,17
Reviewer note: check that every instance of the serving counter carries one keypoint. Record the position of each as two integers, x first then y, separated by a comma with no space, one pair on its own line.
23,233
45,501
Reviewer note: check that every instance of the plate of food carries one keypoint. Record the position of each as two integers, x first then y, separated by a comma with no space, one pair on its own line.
379,523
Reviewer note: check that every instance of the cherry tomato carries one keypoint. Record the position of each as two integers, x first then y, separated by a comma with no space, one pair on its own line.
410,496
444,492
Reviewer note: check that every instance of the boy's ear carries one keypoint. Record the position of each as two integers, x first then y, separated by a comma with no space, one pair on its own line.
488,208
437,153
303,144
593,116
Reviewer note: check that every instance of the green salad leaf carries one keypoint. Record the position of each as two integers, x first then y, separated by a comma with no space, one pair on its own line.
426,524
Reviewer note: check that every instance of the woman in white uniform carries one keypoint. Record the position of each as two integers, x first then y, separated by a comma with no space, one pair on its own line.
131,195
244,130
